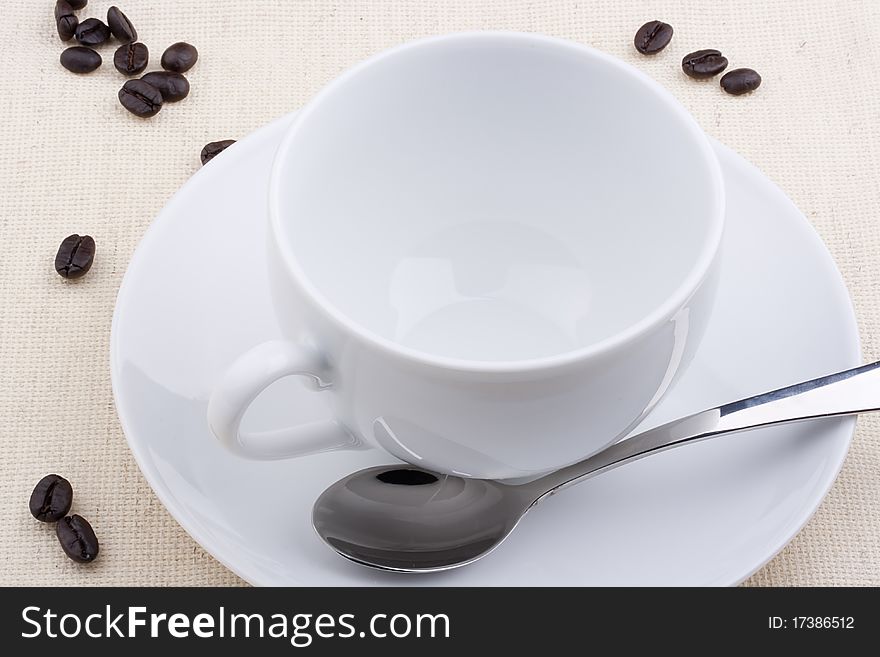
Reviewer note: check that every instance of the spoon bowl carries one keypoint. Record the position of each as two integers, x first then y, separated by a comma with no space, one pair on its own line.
404,519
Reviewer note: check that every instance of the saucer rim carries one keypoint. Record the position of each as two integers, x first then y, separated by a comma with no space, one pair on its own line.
218,550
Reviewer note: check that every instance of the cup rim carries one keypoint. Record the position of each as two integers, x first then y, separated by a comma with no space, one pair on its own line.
644,326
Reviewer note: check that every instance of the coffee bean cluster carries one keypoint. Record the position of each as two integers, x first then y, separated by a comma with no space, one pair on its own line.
50,502
654,36
142,97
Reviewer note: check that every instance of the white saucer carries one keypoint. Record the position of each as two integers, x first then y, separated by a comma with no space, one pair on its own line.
195,296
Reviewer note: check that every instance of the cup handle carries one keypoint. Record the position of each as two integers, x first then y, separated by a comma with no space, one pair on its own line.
246,378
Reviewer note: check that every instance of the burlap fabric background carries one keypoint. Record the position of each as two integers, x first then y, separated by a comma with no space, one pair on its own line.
72,160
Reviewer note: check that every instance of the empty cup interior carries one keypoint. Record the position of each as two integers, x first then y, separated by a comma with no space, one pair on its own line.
496,198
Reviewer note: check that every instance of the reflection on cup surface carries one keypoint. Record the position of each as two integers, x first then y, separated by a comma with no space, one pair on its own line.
491,291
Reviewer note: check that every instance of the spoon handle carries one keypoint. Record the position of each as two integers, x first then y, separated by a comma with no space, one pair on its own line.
845,393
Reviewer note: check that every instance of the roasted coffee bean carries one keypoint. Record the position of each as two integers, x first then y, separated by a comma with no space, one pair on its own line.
212,150
120,26
140,98
653,37
65,21
172,86
78,4
703,64
67,27
740,81
75,256
63,8
92,32
179,57
77,538
80,59
131,58
51,498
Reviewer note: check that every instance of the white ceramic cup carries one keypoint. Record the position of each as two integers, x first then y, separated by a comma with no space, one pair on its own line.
493,251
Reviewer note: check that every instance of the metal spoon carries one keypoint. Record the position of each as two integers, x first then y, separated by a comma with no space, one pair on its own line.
400,518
